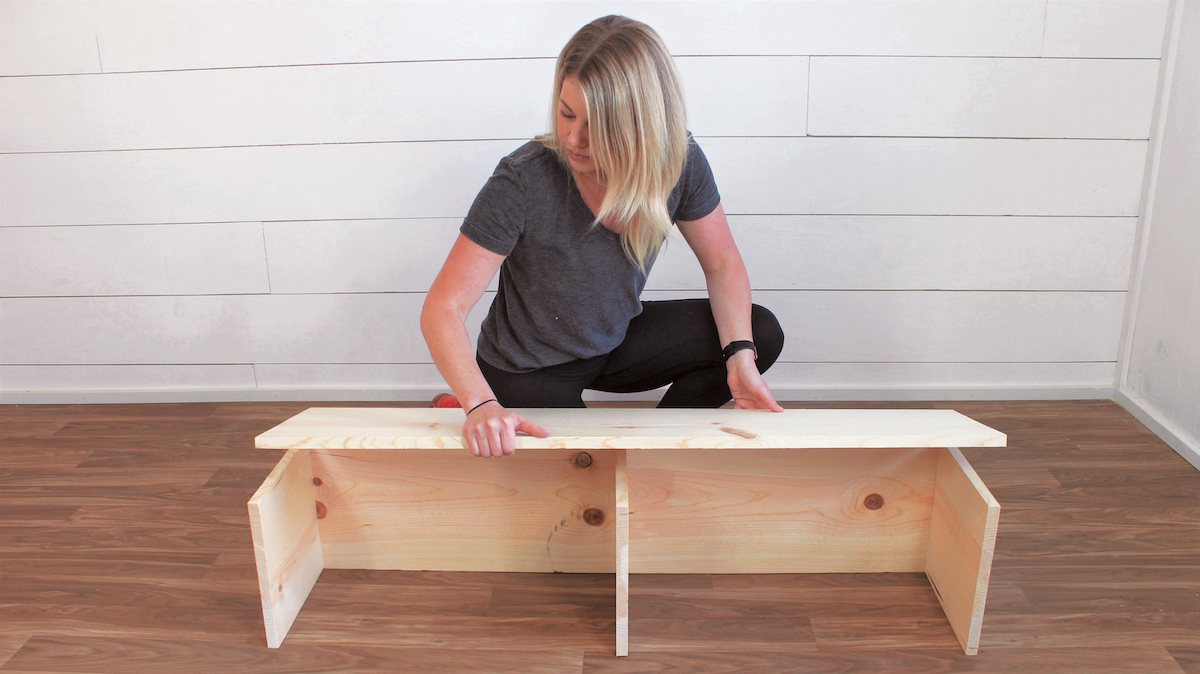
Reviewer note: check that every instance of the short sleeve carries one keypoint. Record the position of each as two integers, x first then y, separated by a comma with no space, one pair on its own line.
697,188
497,217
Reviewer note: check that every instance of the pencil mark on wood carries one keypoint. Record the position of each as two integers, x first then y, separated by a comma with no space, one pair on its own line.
739,432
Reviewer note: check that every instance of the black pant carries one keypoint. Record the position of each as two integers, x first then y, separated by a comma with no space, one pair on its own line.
671,342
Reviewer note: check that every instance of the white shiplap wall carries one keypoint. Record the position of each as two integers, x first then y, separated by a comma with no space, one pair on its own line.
248,199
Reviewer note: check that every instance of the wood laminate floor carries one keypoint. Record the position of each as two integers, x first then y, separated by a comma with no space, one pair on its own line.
125,547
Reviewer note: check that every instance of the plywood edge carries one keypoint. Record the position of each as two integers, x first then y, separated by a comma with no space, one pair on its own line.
622,553
287,542
961,545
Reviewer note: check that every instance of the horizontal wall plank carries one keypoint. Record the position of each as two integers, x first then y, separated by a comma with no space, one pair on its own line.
888,176
48,38
230,329
133,260
229,184
966,97
358,256
437,100
423,379
935,375
125,377
928,176
935,327
918,253
341,375
781,253
139,36
440,100
1105,28
820,326
745,95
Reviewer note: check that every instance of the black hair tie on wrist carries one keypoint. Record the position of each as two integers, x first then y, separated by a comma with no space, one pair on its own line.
738,345
489,400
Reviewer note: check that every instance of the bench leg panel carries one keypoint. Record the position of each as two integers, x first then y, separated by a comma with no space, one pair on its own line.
287,542
962,537
622,553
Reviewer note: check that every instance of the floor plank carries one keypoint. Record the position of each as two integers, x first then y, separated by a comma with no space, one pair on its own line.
115,656
10,643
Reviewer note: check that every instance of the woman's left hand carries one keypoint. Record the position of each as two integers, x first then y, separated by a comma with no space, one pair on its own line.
749,390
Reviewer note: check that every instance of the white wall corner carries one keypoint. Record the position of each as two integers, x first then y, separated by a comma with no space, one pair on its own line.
1166,69
1157,425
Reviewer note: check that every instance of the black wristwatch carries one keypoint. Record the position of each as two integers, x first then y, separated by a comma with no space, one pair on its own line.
738,345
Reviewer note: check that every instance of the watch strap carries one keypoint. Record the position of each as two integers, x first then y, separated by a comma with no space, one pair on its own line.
738,345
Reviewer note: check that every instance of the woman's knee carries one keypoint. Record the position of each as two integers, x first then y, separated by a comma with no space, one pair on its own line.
768,336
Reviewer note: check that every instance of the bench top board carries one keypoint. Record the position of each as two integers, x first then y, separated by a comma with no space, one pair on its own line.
638,428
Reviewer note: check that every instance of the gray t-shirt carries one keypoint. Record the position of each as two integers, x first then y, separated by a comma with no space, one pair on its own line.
567,290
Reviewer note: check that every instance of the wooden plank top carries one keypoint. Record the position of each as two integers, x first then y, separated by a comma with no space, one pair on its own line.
640,428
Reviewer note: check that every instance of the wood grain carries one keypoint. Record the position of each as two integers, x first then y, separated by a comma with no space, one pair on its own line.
429,510
1108,585
780,511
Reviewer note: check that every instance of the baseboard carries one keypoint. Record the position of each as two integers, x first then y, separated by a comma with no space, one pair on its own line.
933,393
214,396
1151,420
782,393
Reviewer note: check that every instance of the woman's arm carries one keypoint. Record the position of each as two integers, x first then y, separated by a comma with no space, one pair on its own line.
491,429
729,294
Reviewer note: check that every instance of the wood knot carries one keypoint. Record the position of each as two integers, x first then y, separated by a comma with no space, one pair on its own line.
583,460
317,481
322,511
593,516
873,502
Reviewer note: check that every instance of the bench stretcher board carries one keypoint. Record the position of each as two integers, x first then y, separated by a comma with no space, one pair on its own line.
610,491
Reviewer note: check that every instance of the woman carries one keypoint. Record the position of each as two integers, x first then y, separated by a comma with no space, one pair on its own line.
573,221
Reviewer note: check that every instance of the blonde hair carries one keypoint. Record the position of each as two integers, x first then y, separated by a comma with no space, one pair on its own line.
637,125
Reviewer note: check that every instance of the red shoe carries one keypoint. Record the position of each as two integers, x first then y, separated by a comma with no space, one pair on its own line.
445,400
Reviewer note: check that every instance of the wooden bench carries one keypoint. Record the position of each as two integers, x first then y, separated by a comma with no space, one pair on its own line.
621,490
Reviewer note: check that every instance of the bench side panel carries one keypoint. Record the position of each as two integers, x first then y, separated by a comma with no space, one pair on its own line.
962,539
435,510
287,542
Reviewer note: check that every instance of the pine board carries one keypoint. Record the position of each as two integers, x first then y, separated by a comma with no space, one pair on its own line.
596,429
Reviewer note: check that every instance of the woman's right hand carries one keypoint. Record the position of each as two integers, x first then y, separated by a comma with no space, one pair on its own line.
491,430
